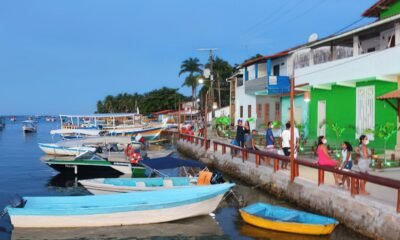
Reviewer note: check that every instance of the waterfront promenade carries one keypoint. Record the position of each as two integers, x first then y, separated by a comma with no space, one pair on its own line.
374,215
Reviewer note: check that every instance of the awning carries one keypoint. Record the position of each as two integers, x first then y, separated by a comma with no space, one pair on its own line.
171,162
392,95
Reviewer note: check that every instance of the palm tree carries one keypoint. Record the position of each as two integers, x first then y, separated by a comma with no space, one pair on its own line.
191,66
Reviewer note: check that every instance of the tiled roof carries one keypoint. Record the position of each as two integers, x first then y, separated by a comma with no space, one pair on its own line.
375,9
391,95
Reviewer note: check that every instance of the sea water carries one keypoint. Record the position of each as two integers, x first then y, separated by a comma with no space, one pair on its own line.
23,173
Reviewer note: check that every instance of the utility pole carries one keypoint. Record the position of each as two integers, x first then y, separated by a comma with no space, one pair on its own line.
211,77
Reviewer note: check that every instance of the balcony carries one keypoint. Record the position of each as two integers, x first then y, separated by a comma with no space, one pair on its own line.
255,85
374,65
261,86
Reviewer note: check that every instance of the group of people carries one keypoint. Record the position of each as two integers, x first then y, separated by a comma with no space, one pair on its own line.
245,139
345,160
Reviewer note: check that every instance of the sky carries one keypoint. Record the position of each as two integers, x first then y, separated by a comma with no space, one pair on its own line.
63,56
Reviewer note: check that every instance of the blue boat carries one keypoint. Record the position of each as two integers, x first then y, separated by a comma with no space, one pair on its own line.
117,209
287,220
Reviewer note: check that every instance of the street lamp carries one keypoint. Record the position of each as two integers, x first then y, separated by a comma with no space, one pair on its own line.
201,80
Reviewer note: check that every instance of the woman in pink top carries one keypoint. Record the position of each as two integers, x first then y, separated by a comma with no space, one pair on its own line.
323,157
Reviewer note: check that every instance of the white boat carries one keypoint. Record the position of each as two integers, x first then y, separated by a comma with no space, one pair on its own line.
121,185
110,124
29,126
2,123
132,208
59,150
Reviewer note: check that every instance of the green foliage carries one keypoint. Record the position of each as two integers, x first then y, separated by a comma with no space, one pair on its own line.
192,66
221,124
384,132
153,101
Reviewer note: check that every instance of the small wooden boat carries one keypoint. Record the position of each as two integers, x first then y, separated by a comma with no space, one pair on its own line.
287,220
59,150
121,185
117,209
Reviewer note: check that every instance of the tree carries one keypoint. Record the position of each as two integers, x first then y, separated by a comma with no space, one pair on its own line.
191,66
384,132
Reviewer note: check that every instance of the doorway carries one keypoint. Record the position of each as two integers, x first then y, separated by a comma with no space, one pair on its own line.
321,126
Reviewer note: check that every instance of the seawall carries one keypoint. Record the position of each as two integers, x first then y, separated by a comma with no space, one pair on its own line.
370,217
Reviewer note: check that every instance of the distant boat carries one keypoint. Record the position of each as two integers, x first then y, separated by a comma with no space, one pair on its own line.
2,123
117,209
59,150
13,119
121,185
287,220
29,126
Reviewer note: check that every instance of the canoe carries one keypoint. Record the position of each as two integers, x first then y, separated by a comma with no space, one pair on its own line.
58,150
132,208
287,220
122,185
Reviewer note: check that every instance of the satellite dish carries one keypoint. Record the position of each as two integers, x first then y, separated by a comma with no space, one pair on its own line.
313,37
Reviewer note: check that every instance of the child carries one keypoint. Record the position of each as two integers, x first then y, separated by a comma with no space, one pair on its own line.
347,162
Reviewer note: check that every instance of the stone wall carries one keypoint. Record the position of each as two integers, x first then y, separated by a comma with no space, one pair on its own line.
362,214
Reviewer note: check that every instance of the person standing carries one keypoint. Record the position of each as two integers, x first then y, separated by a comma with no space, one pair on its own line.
285,144
364,161
240,133
250,143
270,139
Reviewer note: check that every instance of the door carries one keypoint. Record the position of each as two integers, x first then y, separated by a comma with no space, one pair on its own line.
321,127
266,113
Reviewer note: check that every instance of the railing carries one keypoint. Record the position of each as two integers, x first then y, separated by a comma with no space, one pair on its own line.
196,140
355,177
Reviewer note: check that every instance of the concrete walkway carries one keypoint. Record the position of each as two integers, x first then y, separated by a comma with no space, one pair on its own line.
385,195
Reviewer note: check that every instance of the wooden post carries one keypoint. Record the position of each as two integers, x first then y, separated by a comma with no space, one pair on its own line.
398,201
206,121
321,176
292,140
276,164
243,154
257,159
223,149
215,146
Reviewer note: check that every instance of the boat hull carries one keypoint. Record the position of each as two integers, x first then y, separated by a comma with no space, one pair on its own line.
118,209
290,227
52,149
82,168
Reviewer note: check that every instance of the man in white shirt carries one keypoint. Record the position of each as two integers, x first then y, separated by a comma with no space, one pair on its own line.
285,144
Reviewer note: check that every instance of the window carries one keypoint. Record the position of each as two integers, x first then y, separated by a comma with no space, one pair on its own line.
275,70
277,111
241,111
249,111
259,110
365,110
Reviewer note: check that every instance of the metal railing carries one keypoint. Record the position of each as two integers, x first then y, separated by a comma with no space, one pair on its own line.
355,177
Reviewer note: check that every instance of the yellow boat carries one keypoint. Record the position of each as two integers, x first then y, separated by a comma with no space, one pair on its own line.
287,220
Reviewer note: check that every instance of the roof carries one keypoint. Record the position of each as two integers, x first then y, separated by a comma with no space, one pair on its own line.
352,32
264,58
163,112
391,95
101,115
375,9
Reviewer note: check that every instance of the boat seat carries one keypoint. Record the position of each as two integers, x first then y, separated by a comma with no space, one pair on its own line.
140,185
204,178
168,183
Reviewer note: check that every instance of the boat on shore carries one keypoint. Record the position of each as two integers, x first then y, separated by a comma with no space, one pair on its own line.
122,185
29,126
132,208
287,220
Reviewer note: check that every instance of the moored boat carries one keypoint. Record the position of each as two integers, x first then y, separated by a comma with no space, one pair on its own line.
2,123
117,209
287,220
29,126
93,164
59,150
121,185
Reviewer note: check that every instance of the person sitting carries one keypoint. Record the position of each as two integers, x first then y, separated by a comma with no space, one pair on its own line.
323,156
347,162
